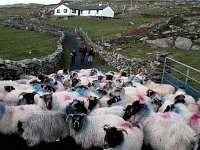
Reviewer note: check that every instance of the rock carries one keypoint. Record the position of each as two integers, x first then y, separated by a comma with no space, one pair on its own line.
183,43
195,47
164,42
107,44
131,23
176,20
2,62
118,49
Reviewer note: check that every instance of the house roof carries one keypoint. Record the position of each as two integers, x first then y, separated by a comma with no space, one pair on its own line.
93,7
86,7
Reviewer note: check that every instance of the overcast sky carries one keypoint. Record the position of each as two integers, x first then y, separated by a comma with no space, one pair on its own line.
4,2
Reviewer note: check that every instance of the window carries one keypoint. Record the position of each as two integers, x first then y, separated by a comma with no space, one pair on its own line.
73,11
65,10
58,10
97,11
88,11
81,11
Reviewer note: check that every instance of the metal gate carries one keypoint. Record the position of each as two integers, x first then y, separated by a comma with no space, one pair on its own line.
181,75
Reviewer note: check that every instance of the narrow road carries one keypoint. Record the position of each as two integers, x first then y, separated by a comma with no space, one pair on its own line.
73,44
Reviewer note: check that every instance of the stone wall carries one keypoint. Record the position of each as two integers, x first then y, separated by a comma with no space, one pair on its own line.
152,67
13,69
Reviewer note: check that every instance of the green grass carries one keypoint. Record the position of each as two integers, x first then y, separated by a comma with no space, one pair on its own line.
139,50
4,12
104,29
19,44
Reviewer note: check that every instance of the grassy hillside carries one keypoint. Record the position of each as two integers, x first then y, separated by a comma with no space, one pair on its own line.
104,29
18,44
4,12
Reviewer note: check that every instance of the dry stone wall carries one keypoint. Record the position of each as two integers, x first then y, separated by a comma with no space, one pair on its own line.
14,69
152,67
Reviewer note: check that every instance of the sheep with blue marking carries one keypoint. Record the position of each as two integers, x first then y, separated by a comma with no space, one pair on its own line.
162,130
46,126
127,136
191,118
87,130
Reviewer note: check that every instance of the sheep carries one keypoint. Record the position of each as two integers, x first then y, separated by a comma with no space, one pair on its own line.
181,95
115,110
10,115
87,130
162,130
92,103
46,126
76,107
163,89
14,97
164,105
127,136
192,119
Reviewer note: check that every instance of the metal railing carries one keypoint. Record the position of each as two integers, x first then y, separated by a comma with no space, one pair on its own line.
182,75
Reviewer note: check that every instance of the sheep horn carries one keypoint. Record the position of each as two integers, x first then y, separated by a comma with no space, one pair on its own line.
119,129
22,94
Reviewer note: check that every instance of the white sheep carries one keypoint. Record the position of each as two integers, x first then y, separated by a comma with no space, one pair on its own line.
115,110
10,115
169,131
192,119
87,130
163,89
47,126
163,130
124,137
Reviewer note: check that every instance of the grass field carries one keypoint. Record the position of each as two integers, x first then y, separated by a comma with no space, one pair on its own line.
4,12
18,44
139,50
104,29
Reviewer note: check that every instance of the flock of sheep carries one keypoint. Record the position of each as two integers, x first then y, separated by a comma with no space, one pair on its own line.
108,110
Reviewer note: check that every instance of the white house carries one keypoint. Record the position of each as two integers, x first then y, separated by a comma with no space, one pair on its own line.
65,10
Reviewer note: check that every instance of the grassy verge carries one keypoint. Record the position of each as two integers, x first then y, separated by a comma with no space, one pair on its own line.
19,44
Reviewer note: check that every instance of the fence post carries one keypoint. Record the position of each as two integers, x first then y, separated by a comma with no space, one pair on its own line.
187,75
164,67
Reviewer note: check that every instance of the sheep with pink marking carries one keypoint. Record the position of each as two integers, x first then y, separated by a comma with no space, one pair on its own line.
10,115
126,136
162,130
192,119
